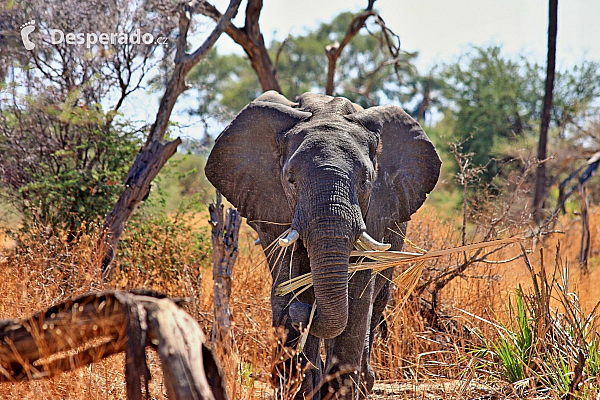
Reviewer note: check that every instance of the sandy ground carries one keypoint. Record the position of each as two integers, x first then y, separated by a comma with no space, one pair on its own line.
434,390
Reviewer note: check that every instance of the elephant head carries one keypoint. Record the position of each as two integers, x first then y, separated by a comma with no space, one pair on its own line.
330,169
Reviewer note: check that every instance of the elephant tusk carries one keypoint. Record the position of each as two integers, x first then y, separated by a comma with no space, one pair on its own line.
373,244
289,239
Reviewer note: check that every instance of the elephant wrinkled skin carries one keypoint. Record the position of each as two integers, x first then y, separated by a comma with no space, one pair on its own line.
333,171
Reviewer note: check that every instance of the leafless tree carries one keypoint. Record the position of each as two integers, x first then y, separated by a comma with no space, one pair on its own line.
155,152
387,38
98,69
251,39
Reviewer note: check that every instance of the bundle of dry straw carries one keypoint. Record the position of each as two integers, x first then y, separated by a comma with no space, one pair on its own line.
382,260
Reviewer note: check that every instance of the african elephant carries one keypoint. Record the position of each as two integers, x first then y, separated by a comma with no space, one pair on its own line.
336,173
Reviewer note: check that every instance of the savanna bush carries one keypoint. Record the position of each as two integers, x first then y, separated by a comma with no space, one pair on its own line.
63,165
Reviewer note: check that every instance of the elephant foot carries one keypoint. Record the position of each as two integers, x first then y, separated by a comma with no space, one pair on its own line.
367,381
310,384
339,385
300,315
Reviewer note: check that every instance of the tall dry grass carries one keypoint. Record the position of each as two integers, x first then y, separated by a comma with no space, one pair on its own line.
174,258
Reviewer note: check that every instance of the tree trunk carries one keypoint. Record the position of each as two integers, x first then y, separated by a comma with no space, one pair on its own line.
225,235
540,183
584,248
146,166
155,153
424,105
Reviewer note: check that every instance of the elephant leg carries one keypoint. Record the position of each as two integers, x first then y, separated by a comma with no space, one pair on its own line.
381,296
381,300
313,369
345,352
308,363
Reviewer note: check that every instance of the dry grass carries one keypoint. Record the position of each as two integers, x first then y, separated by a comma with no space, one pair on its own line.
409,358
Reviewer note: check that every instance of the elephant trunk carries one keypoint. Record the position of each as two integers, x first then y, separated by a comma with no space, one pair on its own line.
329,246
329,221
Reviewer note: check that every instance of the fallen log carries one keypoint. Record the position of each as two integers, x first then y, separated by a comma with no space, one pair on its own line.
91,327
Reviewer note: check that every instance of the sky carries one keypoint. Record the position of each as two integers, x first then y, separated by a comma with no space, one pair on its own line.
440,30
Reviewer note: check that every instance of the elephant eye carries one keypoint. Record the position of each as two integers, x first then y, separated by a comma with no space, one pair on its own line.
292,180
365,181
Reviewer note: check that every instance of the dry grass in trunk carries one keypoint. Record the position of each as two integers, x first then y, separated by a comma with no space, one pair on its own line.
382,260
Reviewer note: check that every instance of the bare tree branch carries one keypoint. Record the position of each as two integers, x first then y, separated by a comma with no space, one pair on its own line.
387,38
251,40
280,51
154,154
183,64
334,50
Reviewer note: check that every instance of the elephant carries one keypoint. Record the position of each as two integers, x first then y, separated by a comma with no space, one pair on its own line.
330,173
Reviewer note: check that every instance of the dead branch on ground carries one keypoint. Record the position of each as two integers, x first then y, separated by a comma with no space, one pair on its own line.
94,326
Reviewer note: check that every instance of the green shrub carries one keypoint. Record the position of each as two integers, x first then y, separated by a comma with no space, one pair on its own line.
63,166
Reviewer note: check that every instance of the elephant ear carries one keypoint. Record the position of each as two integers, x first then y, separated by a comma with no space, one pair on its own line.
244,162
408,165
